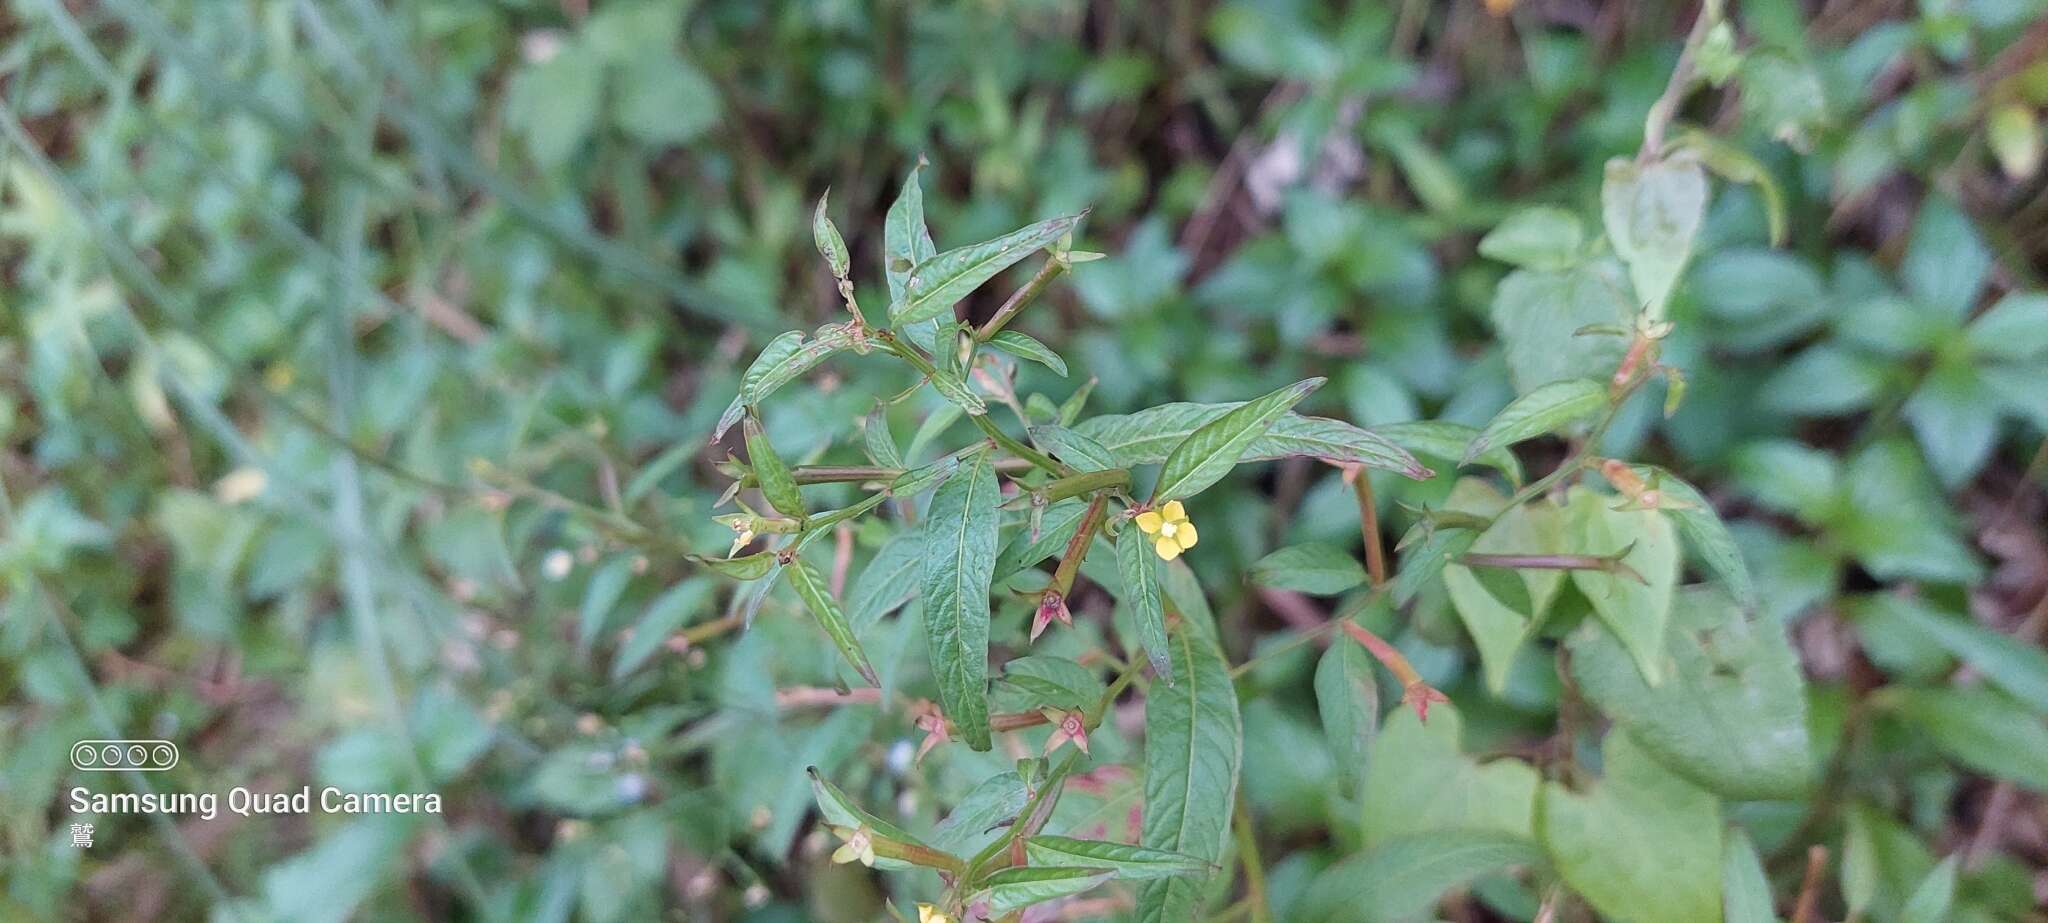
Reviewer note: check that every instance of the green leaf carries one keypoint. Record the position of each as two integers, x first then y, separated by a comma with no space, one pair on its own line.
1745,892
1194,747
555,104
879,442
1447,441
1737,165
1704,532
1931,900
1420,782
659,620
1497,627
1138,568
1955,418
906,242
982,815
840,811
2014,133
780,362
961,531
1055,530
746,567
1336,442
1641,838
1544,410
2014,665
918,480
1083,453
776,482
954,388
887,582
1636,612
826,236
2014,328
601,595
1208,453
810,587
1024,347
1653,212
938,283
1731,716
1017,888
1134,863
1402,880
1422,564
1052,682
1945,263
1348,701
1539,315
1981,729
1541,237
1325,570
662,98
1145,438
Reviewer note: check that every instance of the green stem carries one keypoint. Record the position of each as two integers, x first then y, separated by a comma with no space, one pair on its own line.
1254,869
1012,446
1087,482
1020,299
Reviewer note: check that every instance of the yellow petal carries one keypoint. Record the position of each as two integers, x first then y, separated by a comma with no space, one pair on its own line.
845,853
1149,521
1186,535
1167,549
1174,511
867,854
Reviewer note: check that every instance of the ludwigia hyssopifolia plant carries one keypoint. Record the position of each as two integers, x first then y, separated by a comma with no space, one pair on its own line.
998,539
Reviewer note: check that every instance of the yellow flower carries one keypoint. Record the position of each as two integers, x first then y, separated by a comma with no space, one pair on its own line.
1172,532
859,845
927,913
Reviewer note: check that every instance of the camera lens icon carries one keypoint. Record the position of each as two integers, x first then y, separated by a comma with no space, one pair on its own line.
123,755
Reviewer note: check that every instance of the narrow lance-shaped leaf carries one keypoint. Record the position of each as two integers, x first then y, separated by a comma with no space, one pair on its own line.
1127,861
780,362
1745,892
1540,411
745,567
1208,453
954,388
1705,532
1194,747
841,811
1015,889
1325,570
1348,701
961,531
906,242
811,588
879,442
830,245
1136,565
1145,438
1024,347
1083,453
937,284
777,484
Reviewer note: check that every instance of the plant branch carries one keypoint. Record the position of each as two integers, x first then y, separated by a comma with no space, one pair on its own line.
1020,299
1666,106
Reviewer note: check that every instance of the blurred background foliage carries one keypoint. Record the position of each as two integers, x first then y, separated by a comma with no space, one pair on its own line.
360,358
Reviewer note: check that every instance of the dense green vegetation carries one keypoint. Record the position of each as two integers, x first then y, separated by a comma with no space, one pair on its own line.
1031,459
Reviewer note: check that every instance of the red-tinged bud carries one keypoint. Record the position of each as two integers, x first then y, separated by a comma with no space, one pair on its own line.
1051,606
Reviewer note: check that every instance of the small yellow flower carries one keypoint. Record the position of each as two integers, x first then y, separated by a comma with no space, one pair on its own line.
927,913
859,845
1172,532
